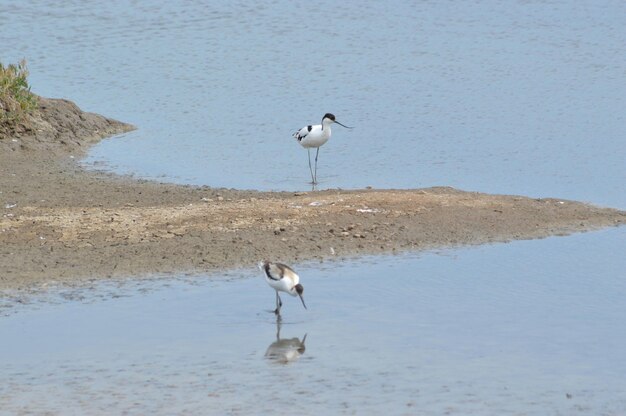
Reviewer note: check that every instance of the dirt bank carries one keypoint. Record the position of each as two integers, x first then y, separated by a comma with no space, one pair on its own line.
60,223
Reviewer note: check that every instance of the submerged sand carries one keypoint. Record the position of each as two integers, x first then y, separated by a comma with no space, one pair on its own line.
60,223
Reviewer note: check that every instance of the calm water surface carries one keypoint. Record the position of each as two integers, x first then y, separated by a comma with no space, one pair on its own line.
532,327
506,97
503,97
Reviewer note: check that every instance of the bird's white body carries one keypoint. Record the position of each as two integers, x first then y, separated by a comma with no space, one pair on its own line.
317,136
281,278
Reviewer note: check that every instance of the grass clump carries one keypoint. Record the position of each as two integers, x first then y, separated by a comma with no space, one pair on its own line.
16,100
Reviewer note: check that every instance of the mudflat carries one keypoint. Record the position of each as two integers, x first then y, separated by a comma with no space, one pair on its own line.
60,223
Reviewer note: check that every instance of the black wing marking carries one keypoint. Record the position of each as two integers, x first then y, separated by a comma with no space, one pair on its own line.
268,272
298,135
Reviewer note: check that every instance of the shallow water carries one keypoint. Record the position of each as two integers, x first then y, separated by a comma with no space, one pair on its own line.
502,97
531,327
508,97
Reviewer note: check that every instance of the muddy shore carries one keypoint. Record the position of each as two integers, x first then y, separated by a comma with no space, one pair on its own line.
59,223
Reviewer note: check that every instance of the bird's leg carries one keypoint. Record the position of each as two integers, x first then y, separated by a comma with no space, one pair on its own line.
278,328
310,168
276,310
316,155
279,304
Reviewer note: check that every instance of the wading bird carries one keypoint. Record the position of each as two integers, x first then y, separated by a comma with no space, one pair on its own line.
282,279
315,136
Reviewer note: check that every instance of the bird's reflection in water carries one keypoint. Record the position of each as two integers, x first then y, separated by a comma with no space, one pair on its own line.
285,350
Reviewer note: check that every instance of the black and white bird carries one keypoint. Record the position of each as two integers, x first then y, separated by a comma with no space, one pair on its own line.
314,136
282,278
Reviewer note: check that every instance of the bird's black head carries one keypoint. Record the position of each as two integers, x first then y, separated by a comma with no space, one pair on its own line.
299,289
329,116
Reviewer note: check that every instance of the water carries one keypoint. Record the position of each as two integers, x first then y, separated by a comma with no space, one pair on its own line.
508,97
530,327
502,97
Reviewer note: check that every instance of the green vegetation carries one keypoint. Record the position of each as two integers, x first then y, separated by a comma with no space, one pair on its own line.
16,100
